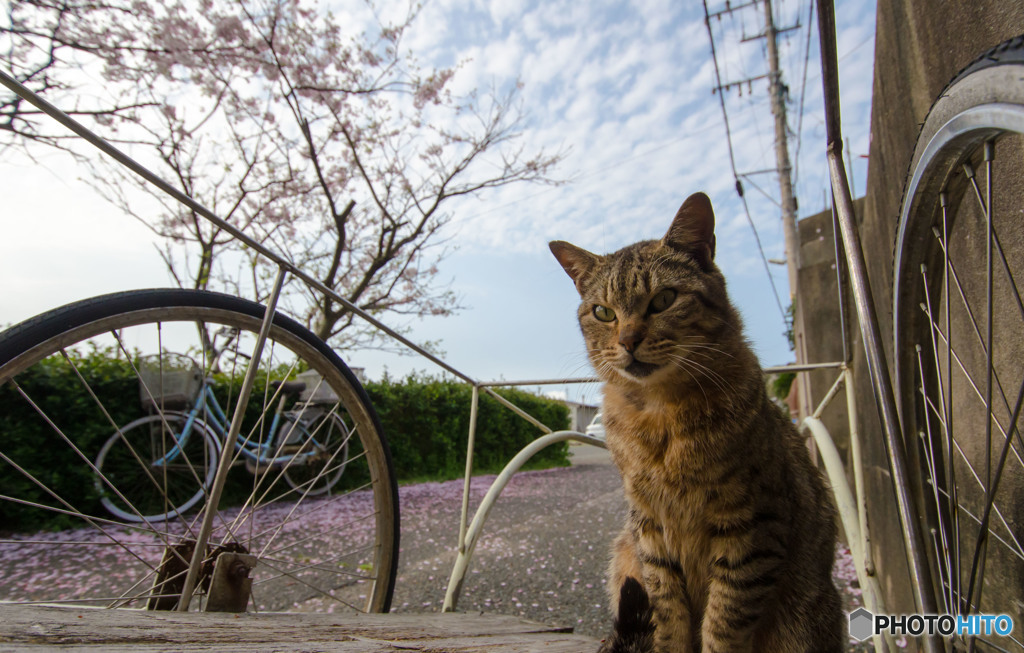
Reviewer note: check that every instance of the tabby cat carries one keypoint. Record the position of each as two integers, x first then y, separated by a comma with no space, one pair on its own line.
730,530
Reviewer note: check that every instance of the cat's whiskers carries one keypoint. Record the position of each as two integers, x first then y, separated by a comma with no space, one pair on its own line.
575,364
683,364
707,372
694,371
728,386
717,350
602,365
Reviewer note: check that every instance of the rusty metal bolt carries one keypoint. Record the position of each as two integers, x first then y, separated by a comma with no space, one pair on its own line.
238,570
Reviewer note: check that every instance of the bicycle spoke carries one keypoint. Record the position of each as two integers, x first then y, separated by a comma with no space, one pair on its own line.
161,413
1019,552
253,508
979,393
77,451
117,429
930,462
986,385
978,334
983,205
316,589
995,647
1010,547
316,565
952,513
351,522
293,518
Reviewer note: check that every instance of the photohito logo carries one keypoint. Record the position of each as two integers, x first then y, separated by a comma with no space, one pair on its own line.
863,624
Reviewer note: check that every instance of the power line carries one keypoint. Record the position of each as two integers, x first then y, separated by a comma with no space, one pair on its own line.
803,90
732,162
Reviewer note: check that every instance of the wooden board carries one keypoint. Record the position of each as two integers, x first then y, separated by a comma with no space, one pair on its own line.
40,628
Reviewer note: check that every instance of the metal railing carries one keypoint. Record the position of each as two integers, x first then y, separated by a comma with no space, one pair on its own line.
851,503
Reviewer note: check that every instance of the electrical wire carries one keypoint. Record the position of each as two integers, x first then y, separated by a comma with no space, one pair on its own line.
735,174
803,90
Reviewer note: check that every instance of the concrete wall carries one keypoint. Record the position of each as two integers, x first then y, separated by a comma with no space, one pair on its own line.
818,335
920,46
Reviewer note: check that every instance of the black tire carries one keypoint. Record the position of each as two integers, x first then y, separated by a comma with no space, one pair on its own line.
312,553
970,481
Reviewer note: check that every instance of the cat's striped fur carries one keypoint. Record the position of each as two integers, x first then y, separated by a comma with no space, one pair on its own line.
730,528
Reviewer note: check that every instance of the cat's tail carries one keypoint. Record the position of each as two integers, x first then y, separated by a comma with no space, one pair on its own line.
634,628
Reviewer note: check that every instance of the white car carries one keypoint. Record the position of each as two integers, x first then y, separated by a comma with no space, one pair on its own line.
596,428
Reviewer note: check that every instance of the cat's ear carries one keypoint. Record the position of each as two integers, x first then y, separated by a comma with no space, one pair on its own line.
693,229
577,261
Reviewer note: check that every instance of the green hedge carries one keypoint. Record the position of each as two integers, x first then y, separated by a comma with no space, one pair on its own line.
28,440
426,422
425,419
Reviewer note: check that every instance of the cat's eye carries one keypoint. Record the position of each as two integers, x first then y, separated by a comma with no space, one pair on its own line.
662,300
604,313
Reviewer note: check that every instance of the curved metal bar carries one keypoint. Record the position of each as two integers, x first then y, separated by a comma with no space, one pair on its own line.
458,576
850,515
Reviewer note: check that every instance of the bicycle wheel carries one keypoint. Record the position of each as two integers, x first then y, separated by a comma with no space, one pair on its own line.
321,451
158,470
959,337
69,377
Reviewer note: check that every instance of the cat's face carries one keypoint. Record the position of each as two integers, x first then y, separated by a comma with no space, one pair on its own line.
653,312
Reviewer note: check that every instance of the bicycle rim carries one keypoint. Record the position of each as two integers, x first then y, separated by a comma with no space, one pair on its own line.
70,381
182,461
959,338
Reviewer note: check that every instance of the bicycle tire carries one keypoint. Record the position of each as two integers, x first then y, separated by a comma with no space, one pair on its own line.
194,471
949,312
312,553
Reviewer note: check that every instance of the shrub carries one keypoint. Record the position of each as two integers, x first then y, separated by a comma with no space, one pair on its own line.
426,422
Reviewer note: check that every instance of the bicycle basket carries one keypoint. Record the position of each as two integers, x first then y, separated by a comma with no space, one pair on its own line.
317,391
170,380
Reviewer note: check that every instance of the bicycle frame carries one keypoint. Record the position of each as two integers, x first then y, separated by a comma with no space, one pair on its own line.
207,410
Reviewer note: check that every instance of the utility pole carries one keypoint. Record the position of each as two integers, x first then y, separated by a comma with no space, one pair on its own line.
788,199
777,91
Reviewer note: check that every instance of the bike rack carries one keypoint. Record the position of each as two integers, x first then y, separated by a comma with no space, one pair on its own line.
852,505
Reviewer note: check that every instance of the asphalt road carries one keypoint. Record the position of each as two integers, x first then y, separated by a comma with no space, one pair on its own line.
543,553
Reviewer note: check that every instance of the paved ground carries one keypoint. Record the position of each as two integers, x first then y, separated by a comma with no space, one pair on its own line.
544,551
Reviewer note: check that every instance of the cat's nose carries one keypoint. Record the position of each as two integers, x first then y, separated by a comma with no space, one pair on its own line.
630,339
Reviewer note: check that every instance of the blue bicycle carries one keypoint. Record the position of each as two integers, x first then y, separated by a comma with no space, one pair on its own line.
159,466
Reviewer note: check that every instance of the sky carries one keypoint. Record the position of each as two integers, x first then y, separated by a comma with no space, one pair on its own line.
624,88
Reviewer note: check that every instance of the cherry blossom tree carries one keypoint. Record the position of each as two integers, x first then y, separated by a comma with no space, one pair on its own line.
318,134
51,47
